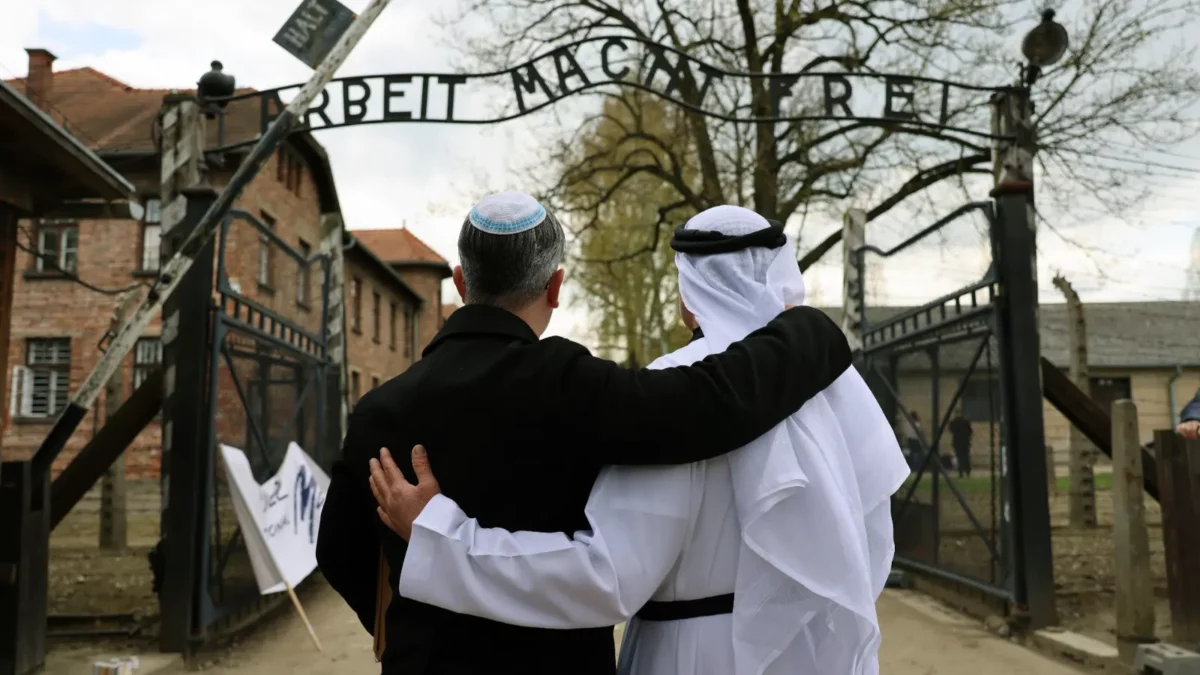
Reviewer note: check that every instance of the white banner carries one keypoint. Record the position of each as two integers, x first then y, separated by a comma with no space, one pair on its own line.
279,518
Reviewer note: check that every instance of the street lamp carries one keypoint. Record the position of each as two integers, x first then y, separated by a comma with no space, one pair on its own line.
214,84
1044,46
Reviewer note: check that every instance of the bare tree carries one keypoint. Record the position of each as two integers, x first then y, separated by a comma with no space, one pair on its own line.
1123,85
629,287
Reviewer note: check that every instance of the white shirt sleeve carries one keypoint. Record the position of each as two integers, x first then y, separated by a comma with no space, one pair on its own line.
639,517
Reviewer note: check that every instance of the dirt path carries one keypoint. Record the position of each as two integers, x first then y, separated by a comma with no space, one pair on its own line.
920,638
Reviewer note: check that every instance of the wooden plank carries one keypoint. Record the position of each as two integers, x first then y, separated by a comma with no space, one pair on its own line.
1131,542
8,253
118,432
1081,411
113,520
1180,500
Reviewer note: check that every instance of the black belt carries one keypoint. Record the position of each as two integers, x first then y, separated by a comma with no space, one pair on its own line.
679,610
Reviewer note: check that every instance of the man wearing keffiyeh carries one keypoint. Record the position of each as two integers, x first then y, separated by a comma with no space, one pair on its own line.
767,561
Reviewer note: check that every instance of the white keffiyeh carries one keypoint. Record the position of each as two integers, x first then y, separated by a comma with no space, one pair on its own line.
812,494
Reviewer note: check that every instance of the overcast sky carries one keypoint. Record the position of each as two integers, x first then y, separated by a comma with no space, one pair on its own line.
427,176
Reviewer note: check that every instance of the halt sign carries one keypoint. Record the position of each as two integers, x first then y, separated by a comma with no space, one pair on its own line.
313,30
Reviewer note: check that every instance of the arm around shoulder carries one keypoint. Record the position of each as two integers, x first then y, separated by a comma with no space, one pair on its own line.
1191,411
697,412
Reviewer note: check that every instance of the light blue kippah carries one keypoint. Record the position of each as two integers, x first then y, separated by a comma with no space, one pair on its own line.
507,213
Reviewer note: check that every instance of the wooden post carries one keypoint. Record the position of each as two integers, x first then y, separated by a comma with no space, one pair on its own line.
854,237
8,253
1135,590
113,520
1179,496
1083,482
1051,472
332,229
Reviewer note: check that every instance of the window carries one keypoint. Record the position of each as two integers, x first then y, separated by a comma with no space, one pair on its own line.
289,169
151,242
356,305
1106,390
281,161
265,252
981,400
374,382
153,211
409,329
40,389
354,387
147,357
376,309
57,247
303,280
392,327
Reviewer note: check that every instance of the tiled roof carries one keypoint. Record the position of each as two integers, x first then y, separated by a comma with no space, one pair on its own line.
1119,334
46,146
399,245
107,114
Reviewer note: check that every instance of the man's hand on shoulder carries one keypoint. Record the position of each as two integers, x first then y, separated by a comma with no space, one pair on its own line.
400,502
1189,429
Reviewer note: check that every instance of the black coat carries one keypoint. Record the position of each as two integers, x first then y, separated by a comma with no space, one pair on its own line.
517,430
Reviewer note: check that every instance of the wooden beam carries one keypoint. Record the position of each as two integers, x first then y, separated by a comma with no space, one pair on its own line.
1087,416
117,433
1179,477
8,253
1131,541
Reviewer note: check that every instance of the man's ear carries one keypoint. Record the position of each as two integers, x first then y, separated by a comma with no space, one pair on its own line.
554,288
459,284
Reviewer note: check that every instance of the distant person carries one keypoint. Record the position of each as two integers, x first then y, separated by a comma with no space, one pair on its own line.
1189,419
909,434
960,440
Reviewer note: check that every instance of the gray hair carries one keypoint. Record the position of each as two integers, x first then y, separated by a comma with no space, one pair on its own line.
510,270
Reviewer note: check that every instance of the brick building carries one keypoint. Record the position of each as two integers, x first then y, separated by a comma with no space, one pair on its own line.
44,170
420,266
58,323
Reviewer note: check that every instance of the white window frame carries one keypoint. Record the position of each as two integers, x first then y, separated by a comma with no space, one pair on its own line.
66,258
303,277
264,260
57,393
153,211
263,275
143,348
151,250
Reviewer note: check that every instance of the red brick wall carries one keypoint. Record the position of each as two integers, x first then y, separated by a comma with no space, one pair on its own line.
109,253
366,356
58,308
426,281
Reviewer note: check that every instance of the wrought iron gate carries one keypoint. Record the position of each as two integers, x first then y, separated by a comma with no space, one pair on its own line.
972,511
264,380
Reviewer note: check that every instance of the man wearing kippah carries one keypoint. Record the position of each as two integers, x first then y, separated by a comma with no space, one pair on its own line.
764,562
518,429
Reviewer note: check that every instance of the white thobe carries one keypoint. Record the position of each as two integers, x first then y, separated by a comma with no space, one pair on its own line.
658,533
664,534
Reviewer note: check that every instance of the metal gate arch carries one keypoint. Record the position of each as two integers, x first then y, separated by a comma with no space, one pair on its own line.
243,331
989,330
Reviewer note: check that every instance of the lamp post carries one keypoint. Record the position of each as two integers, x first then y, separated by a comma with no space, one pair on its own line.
1044,46
1025,496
